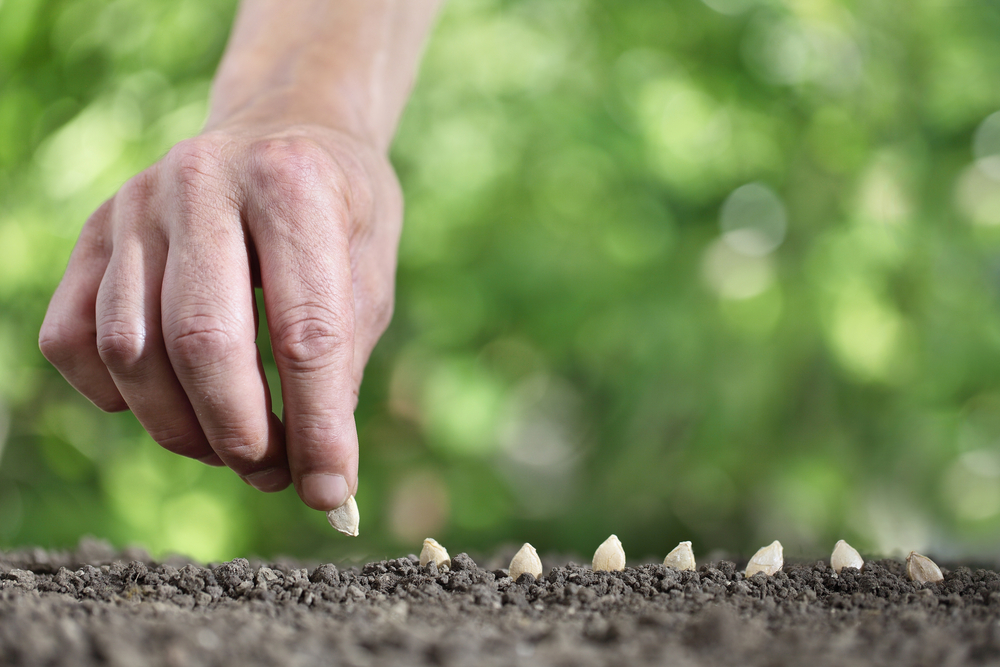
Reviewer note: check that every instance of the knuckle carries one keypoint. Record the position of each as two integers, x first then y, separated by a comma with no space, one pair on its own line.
195,342
61,344
239,450
120,346
197,165
65,347
138,189
323,440
318,437
95,231
309,340
295,168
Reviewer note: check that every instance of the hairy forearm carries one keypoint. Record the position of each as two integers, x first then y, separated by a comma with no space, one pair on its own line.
348,64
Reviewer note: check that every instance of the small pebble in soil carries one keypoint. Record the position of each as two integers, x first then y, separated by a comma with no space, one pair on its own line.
768,560
610,556
433,552
844,555
681,557
526,560
922,569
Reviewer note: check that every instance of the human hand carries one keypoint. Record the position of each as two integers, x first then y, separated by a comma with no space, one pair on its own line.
156,312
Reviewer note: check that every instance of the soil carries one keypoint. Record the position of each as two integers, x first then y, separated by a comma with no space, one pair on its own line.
96,607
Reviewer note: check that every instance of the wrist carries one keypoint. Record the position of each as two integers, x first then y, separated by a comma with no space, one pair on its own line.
284,106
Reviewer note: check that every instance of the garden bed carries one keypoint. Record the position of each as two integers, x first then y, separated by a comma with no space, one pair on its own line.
95,607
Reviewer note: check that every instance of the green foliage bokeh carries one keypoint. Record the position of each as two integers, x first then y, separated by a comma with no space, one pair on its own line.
585,340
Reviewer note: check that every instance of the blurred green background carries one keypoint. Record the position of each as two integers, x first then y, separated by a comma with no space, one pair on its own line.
719,270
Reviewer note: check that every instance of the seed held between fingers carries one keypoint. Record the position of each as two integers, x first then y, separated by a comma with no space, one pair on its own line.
844,555
525,561
681,557
434,552
610,556
922,569
345,518
768,560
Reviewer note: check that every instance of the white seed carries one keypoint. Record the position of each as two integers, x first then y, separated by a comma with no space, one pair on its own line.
681,557
345,518
434,552
844,555
768,560
525,561
610,556
922,569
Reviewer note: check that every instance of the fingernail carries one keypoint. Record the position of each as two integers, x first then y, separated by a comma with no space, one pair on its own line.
323,492
272,479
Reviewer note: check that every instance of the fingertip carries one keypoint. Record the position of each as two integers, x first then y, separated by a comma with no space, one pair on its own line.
322,491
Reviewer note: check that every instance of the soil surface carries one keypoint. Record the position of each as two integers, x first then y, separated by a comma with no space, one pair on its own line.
96,607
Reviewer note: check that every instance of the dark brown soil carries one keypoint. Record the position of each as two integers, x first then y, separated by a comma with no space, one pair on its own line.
93,607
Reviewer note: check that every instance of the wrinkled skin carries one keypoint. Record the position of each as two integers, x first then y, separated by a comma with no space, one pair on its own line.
156,312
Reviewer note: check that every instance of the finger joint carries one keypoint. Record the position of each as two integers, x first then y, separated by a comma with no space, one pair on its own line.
311,341
61,344
121,347
196,343
297,170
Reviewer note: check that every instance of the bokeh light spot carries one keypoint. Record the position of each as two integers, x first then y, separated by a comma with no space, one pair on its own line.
200,525
419,507
986,146
801,503
753,220
734,275
789,51
730,7
135,487
77,155
893,523
16,256
540,434
684,125
977,196
971,485
867,334
882,197
462,403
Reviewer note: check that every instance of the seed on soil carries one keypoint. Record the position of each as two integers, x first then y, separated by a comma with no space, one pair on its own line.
610,556
434,553
844,555
681,557
345,518
922,569
768,560
525,561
